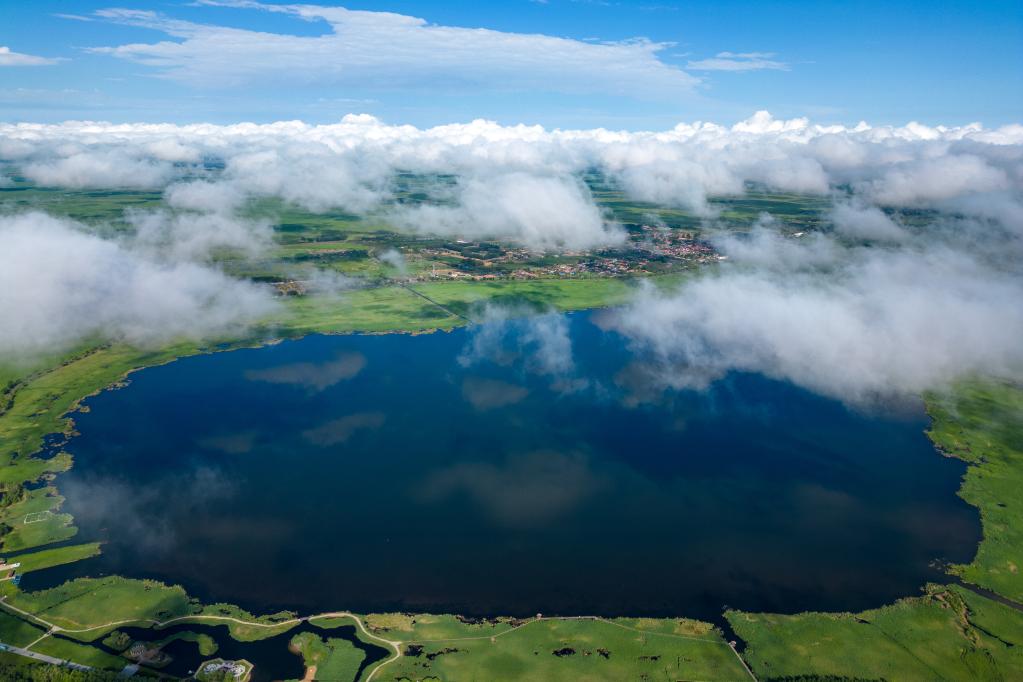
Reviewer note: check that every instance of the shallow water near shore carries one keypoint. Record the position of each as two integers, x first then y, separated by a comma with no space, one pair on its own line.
509,469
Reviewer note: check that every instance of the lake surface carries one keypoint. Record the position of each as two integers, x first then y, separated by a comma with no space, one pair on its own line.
514,468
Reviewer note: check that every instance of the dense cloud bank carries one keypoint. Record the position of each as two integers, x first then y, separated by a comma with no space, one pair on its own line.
876,306
862,324
521,182
60,285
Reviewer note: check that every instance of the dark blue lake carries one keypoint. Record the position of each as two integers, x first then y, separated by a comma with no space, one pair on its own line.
508,469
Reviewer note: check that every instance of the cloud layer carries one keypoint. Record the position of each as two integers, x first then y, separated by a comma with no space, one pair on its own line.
60,285
914,281
861,324
521,183
405,52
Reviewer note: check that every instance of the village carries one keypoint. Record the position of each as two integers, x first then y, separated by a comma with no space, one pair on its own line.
650,250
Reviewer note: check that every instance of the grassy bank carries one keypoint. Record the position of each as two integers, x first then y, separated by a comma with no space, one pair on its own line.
562,649
982,424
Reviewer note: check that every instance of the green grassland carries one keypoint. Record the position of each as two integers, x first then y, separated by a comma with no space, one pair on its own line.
85,607
67,650
29,518
982,424
56,556
569,649
467,298
15,631
333,658
404,627
948,634
89,609
207,645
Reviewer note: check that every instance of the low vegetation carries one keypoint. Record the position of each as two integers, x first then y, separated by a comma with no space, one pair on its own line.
948,634
982,424
17,669
328,658
568,649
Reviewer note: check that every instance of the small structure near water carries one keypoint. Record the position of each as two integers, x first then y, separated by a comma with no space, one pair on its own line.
219,669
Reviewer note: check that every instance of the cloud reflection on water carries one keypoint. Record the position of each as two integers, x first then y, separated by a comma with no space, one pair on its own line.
313,377
523,490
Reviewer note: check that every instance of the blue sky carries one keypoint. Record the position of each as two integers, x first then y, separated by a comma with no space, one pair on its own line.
568,63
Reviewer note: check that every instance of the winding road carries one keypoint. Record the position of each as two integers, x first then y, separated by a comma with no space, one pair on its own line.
393,645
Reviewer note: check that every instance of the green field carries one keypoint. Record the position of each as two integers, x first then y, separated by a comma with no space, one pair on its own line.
333,658
566,649
16,632
982,423
207,645
57,556
949,634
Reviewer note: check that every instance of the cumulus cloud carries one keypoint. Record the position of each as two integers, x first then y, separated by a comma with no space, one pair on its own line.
60,285
872,325
543,212
937,178
523,183
204,196
312,176
192,236
862,221
102,169
368,48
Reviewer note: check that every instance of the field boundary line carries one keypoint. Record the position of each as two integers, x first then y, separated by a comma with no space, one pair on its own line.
38,517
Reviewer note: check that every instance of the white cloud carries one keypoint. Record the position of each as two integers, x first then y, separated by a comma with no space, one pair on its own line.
383,49
522,182
395,259
923,303
935,178
862,221
59,286
738,61
102,169
189,236
543,212
9,58
872,325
